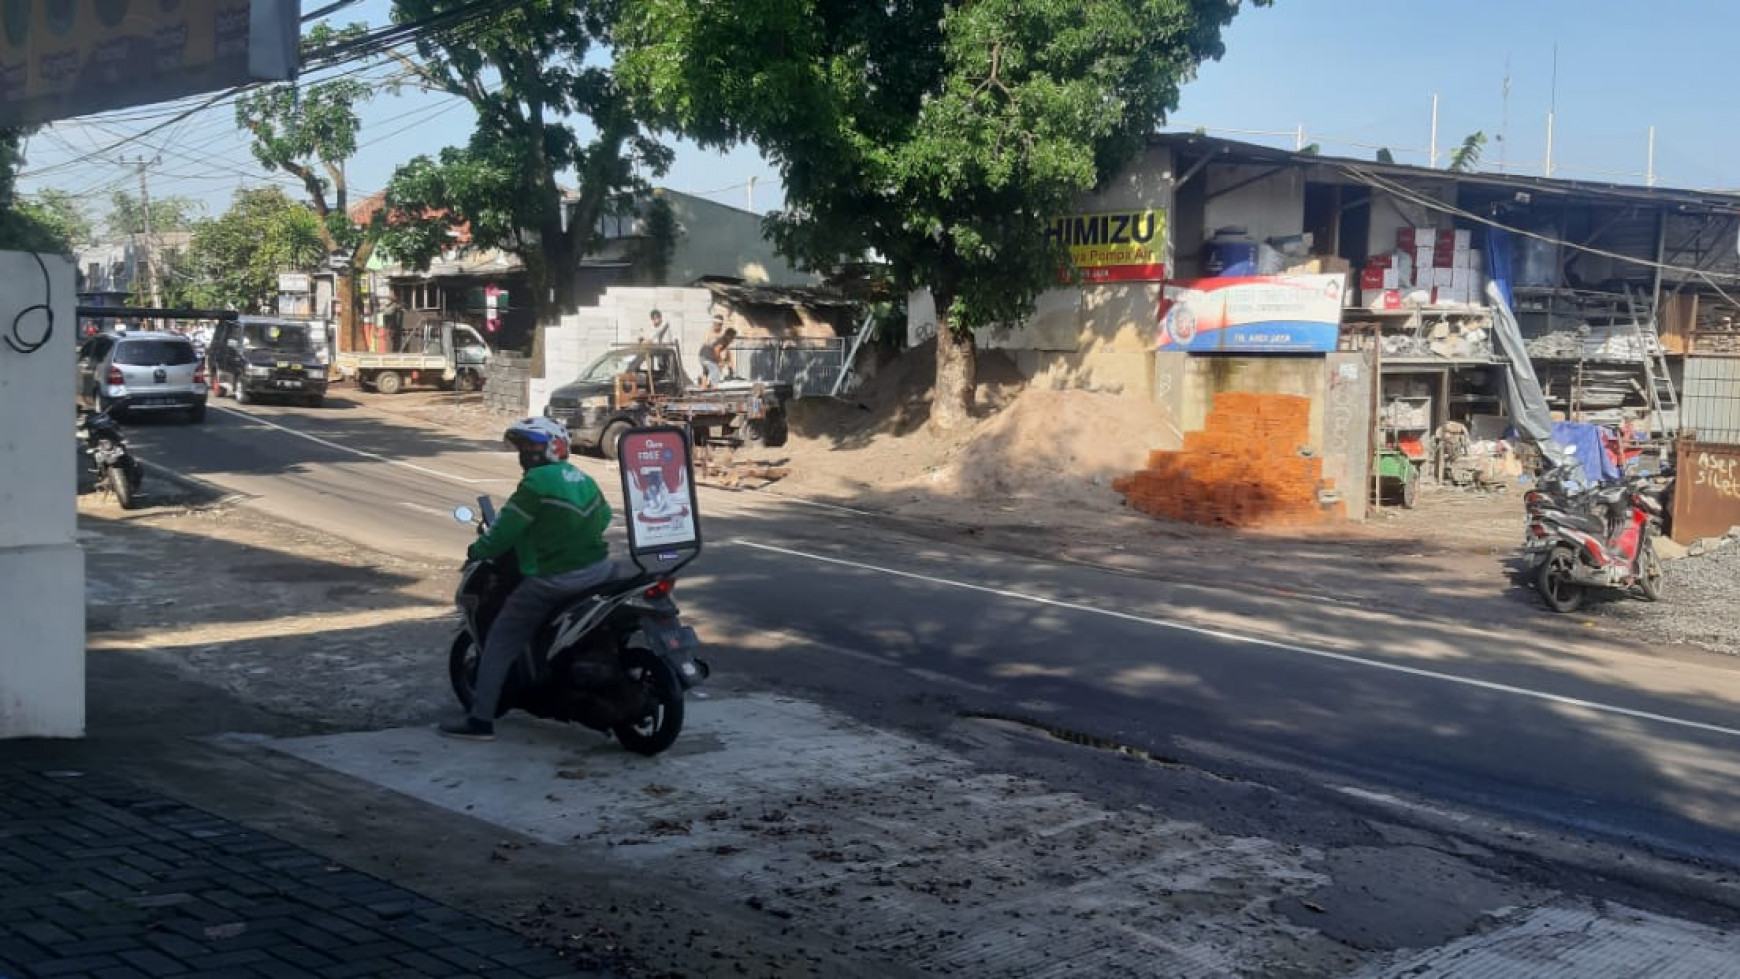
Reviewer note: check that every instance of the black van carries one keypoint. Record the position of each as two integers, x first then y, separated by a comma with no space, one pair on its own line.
260,357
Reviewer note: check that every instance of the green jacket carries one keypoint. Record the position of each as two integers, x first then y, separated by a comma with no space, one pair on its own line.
556,518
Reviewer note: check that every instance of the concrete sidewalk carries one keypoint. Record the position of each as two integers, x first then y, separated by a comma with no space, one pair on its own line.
100,878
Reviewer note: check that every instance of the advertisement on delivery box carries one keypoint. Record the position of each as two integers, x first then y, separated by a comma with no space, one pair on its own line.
1254,314
659,489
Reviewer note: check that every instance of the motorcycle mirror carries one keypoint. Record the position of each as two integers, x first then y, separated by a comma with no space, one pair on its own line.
463,514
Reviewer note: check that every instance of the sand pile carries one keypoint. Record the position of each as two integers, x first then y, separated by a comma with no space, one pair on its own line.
1057,444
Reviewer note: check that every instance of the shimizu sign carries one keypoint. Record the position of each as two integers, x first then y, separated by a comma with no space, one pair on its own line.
65,58
1114,246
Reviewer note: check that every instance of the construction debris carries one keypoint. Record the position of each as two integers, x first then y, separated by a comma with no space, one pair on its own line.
717,468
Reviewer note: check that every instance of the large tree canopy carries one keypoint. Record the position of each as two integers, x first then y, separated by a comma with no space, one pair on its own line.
235,258
942,135
529,72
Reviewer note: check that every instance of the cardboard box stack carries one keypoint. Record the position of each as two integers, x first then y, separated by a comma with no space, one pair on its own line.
1244,469
1429,266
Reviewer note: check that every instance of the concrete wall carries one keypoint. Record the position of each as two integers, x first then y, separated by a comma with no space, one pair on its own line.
42,643
1347,427
623,315
1389,213
1270,206
1096,337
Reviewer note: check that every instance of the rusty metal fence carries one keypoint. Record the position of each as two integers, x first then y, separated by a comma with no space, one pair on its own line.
1710,400
1706,490
809,365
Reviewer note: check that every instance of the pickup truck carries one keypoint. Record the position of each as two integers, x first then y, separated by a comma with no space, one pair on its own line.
448,355
644,383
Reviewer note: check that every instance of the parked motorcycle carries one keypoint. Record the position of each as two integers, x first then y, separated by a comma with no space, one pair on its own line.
616,659
117,471
1600,537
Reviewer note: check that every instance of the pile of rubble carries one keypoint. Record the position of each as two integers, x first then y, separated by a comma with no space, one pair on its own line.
1700,601
1450,341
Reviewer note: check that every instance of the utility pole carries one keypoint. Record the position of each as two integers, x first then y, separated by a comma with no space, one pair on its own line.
1552,109
752,180
1649,165
1504,119
1434,151
1299,138
151,283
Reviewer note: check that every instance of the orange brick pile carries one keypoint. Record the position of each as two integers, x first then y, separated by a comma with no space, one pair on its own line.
1244,469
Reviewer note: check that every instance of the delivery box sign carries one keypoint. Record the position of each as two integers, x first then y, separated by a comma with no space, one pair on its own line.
1113,246
1252,314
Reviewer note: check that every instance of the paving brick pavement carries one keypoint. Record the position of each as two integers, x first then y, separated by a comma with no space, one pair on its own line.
101,879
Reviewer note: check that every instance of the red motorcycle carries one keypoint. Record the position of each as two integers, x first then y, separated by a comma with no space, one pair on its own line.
1609,544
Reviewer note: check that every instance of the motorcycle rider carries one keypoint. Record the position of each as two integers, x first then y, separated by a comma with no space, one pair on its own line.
555,521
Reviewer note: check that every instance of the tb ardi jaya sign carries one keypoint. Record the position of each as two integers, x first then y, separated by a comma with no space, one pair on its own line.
64,58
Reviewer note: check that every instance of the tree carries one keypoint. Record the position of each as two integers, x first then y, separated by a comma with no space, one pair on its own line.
528,72
943,135
1467,156
48,221
310,132
22,227
127,217
58,223
235,258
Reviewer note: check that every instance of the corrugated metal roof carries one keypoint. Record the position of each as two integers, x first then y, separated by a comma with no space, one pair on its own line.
1240,152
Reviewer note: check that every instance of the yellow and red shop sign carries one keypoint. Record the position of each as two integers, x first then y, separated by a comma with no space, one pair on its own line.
1114,246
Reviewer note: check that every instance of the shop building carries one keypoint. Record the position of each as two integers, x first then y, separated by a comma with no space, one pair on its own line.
1613,286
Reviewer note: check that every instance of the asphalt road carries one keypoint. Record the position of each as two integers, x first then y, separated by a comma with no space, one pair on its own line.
1374,708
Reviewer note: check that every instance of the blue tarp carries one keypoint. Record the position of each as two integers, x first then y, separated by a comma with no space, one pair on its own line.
1591,448
1498,262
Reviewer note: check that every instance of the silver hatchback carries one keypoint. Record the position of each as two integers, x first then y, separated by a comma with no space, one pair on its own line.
142,372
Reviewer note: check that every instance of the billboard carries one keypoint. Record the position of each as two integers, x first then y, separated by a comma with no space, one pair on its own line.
65,58
1252,314
1113,246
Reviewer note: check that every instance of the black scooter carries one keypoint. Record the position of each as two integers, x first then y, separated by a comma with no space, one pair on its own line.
117,471
616,659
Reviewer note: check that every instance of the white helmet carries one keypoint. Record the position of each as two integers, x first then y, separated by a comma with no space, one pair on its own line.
538,440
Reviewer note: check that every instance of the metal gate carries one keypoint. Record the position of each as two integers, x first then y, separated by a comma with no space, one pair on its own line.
809,365
1707,484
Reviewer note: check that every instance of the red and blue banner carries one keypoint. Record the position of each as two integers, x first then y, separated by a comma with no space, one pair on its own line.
1252,314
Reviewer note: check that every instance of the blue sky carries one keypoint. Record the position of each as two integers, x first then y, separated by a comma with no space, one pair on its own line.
1356,74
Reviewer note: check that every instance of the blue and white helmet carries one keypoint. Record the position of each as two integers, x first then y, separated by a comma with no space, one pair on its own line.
532,436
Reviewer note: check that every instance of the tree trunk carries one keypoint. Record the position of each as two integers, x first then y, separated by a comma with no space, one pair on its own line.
956,373
349,323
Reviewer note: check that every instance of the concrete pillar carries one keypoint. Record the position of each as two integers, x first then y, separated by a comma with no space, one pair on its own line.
42,574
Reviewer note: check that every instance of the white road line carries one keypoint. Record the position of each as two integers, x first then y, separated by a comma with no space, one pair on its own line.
421,508
1256,641
462,480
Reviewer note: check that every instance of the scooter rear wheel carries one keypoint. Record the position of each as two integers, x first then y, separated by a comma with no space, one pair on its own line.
1556,581
658,728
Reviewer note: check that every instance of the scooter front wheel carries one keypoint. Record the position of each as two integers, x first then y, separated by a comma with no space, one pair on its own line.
1556,581
462,662
1649,573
